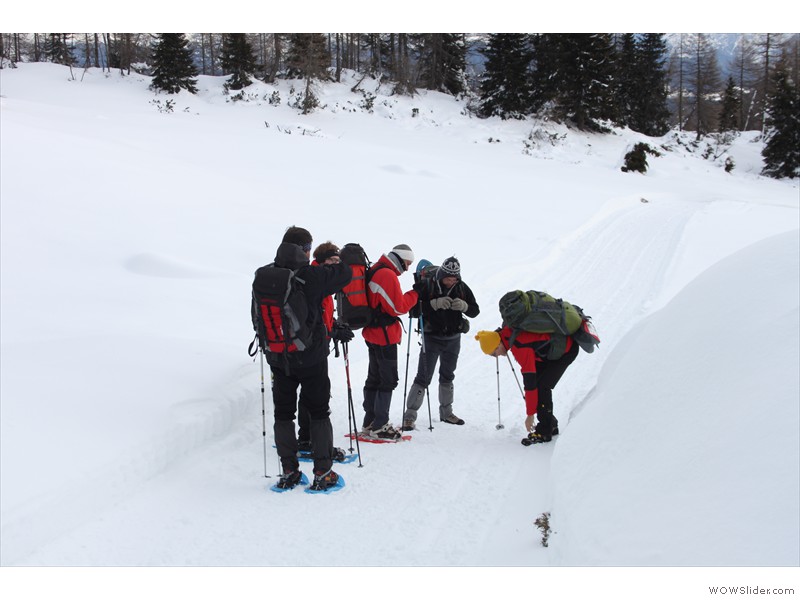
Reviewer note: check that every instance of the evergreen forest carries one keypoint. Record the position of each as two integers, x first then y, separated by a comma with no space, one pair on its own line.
651,83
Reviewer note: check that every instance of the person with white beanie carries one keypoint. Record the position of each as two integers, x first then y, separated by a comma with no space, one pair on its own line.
383,337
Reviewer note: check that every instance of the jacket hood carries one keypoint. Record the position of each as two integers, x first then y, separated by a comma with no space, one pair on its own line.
290,256
393,261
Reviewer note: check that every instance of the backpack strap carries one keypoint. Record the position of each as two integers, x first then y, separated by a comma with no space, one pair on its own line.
551,349
380,318
252,349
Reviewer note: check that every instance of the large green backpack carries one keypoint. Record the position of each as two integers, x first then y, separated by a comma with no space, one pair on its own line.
539,312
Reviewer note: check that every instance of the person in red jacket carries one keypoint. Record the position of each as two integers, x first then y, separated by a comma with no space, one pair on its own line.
326,253
383,337
539,375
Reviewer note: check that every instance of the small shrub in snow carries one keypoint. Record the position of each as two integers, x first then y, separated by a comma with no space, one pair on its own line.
636,159
305,102
539,137
368,102
543,523
167,106
242,97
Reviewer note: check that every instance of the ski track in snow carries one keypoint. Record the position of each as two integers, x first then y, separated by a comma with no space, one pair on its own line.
637,245
218,451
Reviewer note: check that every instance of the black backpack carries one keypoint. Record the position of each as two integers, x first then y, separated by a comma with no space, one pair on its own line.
280,311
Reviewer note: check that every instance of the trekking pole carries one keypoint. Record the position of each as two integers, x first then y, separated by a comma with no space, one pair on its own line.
263,413
352,434
350,422
515,376
499,419
405,384
425,362
351,411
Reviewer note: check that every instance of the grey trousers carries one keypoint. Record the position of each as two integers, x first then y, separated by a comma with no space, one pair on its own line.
443,350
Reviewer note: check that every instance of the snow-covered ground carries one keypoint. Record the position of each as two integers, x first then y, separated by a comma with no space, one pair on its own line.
132,416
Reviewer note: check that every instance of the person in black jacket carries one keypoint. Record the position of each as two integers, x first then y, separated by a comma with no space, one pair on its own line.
307,368
443,302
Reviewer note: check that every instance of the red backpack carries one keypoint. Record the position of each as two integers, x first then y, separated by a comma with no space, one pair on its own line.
353,301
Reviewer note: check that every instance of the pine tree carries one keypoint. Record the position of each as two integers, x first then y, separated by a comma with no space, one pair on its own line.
308,58
237,59
505,87
729,113
546,60
443,63
649,114
173,69
678,70
402,65
782,150
704,81
56,48
768,47
583,79
627,84
746,68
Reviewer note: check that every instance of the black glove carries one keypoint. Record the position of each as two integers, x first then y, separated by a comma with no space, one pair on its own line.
419,285
341,332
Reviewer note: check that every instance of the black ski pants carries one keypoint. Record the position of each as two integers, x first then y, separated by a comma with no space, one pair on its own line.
548,373
381,381
315,388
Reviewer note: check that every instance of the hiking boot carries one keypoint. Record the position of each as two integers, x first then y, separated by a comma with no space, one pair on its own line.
408,425
289,480
323,481
304,446
538,438
387,432
338,455
366,429
555,431
453,420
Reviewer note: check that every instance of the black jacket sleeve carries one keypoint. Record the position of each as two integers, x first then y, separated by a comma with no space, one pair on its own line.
324,280
473,309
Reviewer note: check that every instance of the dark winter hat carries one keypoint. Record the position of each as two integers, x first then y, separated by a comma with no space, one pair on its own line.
450,268
299,236
324,251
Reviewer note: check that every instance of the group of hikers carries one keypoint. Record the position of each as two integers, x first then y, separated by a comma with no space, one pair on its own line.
293,314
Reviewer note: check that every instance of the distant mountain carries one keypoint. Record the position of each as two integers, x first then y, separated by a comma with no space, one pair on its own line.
725,43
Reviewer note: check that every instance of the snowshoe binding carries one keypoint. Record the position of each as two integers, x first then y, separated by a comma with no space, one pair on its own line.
325,483
535,438
289,481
